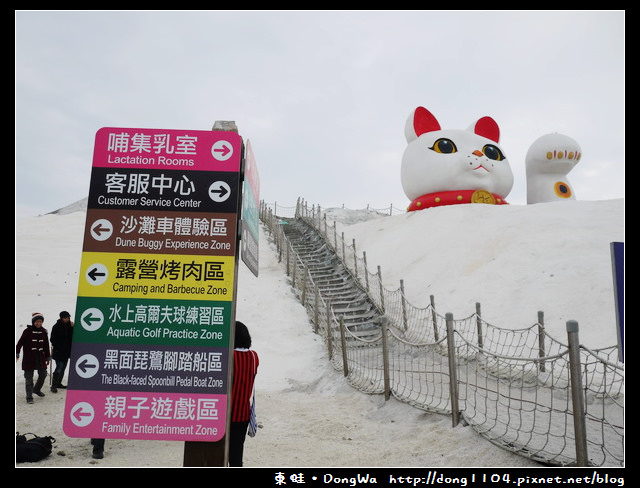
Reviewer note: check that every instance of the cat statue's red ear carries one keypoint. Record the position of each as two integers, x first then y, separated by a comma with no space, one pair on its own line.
419,122
486,127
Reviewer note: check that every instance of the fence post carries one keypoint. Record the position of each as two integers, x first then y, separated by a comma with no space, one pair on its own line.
384,322
381,293
343,342
479,325
404,305
335,237
434,318
343,254
278,237
579,423
355,259
295,267
366,270
315,308
453,371
305,272
541,334
287,257
329,338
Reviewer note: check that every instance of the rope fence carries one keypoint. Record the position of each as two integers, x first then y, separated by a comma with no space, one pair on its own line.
558,403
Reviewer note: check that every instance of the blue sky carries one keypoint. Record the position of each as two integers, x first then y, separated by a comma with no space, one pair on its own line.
322,95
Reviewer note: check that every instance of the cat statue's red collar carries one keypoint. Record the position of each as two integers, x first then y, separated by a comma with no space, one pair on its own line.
441,198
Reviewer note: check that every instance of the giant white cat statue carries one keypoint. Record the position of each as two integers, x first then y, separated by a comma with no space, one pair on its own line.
447,166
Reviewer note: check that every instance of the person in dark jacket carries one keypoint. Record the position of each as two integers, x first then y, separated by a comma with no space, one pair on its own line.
61,337
245,368
34,343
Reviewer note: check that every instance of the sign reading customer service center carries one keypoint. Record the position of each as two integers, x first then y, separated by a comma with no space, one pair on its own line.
150,355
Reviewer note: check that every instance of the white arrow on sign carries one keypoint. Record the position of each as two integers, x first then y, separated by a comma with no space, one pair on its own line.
222,150
82,414
87,365
101,230
92,319
219,191
97,274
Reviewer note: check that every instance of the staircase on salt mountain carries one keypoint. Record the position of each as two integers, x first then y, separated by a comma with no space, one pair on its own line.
346,296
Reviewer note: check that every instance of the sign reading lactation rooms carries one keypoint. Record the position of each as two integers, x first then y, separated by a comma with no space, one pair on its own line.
150,352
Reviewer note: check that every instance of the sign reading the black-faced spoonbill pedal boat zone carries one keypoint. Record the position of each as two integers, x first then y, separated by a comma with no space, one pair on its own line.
150,356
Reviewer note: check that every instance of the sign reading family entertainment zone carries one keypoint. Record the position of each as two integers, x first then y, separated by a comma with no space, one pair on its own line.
150,352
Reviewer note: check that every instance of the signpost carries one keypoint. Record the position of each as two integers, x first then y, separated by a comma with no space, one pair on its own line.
155,307
250,218
617,260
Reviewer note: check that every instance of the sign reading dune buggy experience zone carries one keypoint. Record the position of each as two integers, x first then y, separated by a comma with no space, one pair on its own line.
150,352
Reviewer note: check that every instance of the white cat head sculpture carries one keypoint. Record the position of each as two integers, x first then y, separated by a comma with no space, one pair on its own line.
446,167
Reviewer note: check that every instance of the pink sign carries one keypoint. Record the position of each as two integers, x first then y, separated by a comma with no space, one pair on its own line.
145,415
196,150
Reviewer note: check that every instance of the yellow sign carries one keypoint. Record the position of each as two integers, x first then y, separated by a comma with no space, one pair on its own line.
161,276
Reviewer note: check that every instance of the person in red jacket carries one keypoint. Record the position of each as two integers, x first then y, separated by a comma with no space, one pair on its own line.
245,368
34,342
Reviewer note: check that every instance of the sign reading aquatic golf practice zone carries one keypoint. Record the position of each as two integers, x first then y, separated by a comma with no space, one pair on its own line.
150,355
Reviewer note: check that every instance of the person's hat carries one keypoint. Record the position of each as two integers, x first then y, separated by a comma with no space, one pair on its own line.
35,316
64,314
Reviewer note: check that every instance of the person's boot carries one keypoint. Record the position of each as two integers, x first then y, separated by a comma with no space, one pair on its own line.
28,386
60,385
54,382
37,389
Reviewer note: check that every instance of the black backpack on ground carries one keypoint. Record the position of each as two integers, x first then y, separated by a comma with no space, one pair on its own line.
30,450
